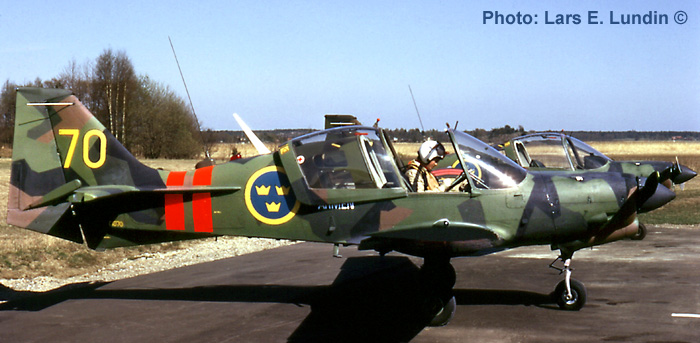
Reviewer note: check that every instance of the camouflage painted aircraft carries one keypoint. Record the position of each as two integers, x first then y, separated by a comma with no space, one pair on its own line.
551,151
559,153
72,179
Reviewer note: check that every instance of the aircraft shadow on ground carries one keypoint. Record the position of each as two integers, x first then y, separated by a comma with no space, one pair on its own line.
372,299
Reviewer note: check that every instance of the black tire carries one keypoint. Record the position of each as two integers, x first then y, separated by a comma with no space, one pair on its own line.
578,291
444,312
437,277
641,233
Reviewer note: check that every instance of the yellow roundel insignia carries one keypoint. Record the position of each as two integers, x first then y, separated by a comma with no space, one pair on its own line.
269,197
473,168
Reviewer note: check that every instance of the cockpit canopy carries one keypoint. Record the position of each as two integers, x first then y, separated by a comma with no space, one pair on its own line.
346,158
554,150
342,165
354,163
488,168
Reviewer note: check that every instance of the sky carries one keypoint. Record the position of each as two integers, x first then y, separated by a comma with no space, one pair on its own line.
284,64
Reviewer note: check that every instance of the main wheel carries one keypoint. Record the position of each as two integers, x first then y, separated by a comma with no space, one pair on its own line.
641,233
445,312
437,276
578,296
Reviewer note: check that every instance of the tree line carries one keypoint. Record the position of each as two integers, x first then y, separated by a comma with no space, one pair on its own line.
280,136
147,117
493,136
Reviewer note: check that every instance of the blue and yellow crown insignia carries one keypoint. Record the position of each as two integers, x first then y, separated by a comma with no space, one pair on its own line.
262,190
282,190
273,207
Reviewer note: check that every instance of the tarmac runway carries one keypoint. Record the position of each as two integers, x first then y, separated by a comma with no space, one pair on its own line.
638,291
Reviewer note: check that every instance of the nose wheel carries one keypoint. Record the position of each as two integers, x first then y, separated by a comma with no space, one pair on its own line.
572,299
570,294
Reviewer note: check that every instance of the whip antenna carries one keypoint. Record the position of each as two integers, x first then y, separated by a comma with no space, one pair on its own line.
416,106
199,128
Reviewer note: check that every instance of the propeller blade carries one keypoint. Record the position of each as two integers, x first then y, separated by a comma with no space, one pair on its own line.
628,211
648,189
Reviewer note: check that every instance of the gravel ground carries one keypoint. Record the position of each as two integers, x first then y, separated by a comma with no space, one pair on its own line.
201,251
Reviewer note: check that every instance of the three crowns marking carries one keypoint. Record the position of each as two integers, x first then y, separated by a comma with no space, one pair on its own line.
262,190
272,207
265,190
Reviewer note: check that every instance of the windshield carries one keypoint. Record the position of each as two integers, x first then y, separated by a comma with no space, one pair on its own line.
557,151
488,167
546,151
586,156
346,158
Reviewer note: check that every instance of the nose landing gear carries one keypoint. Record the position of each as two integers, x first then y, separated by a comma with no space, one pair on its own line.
570,294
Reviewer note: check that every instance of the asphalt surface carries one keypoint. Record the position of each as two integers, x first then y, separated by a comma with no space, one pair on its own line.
638,291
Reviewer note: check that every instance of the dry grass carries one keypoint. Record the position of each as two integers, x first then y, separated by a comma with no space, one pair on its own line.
223,151
24,253
670,148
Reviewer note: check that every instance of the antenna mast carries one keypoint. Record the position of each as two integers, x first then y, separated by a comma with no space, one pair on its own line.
196,119
416,106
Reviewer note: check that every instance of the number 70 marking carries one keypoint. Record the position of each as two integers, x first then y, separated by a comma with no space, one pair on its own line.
75,135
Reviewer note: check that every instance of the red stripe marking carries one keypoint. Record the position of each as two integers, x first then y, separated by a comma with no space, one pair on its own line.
202,176
176,178
201,210
174,212
447,171
174,203
201,202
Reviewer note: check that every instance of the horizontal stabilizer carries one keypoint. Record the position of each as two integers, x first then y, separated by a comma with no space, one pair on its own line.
57,195
440,231
115,192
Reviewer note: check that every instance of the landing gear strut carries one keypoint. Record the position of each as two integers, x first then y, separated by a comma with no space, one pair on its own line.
570,294
437,278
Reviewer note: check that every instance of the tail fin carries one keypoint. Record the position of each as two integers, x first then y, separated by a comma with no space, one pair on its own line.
58,147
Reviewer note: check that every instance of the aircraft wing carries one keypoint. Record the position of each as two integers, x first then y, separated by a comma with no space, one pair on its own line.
439,231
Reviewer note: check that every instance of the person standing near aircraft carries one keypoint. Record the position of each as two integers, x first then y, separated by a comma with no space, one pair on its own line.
418,170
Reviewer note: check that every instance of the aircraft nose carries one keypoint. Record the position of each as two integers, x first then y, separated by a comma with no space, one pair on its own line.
685,175
661,197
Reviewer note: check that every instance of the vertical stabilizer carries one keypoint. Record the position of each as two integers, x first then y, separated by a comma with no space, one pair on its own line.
59,146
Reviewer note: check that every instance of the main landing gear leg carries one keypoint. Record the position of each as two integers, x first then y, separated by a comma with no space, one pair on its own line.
437,278
570,294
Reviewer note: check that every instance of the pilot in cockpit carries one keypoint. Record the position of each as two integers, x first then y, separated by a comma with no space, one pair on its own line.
418,170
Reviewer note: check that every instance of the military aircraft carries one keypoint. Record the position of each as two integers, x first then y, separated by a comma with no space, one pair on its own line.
72,179
551,150
558,152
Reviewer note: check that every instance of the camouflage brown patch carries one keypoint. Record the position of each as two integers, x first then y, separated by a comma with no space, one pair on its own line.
74,116
389,219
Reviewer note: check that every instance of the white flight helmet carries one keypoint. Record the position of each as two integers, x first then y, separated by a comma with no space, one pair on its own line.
430,150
